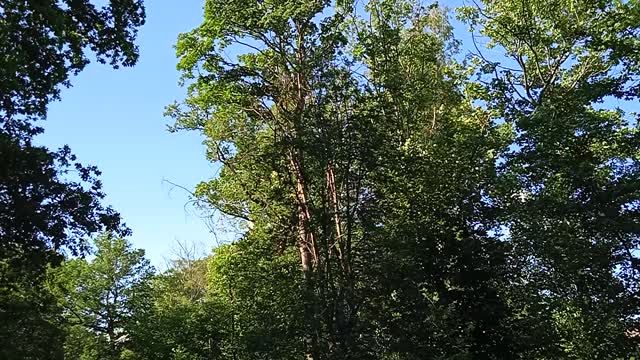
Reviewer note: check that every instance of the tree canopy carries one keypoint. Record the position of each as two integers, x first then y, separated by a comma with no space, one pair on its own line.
400,196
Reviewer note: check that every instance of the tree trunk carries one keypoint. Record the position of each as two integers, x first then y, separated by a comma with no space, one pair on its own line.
340,246
308,255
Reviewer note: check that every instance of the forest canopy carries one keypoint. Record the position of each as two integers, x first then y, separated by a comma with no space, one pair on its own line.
399,196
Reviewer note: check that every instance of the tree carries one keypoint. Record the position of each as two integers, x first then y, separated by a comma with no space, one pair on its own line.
568,188
261,114
44,206
99,296
43,46
321,158
178,318
39,215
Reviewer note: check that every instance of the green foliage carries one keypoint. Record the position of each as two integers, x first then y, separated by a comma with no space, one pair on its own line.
43,43
42,208
100,297
436,215
395,202
177,299
260,288
31,320
568,186
239,303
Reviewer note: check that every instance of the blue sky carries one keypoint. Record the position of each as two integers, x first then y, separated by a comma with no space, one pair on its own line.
113,119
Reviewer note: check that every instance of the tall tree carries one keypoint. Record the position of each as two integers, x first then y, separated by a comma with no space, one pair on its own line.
44,206
43,44
261,113
318,156
568,189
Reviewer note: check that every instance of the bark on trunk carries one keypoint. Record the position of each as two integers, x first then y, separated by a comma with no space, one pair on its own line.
308,248
306,238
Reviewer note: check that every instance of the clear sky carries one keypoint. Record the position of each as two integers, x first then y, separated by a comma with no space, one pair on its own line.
113,119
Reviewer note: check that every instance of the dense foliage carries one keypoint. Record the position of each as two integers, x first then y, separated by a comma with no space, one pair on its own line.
99,297
49,203
399,198
44,42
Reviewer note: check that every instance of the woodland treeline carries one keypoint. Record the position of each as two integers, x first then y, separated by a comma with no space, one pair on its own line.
399,196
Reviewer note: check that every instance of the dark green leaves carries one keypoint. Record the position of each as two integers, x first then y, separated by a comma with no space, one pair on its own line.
43,43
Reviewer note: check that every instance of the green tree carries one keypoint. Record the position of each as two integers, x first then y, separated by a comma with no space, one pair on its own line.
99,297
241,302
44,206
434,267
568,189
40,214
178,319
262,117
366,175
262,293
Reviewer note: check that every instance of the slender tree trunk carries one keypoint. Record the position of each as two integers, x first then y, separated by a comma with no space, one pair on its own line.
306,238
308,248
340,245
